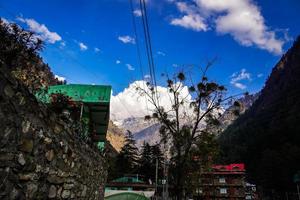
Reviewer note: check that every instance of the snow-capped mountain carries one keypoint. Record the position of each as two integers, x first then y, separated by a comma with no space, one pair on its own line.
143,130
128,110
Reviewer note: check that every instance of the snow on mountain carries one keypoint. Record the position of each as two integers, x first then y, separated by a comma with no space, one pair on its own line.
128,110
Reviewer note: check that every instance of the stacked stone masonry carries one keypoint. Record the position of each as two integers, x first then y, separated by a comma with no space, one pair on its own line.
40,156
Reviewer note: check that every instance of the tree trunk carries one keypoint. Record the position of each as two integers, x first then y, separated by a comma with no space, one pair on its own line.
179,178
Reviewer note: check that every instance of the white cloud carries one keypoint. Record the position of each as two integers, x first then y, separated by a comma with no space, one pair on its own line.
242,75
260,75
242,19
137,13
237,77
60,78
239,85
191,18
161,53
118,62
62,44
129,103
147,77
97,50
82,46
41,30
130,67
126,39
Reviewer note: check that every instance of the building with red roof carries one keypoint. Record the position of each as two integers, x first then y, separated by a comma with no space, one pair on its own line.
223,182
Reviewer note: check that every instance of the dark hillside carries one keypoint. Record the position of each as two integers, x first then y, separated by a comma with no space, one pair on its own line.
267,136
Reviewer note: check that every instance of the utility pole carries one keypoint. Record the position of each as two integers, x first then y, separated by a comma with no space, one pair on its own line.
297,181
298,191
156,174
164,181
167,180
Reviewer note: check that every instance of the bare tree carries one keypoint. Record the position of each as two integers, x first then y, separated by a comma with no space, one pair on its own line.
193,104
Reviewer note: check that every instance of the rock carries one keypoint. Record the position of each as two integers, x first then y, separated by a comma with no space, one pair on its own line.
22,100
57,129
25,126
52,192
52,172
6,157
46,170
41,134
8,91
38,168
6,137
63,174
66,194
68,186
28,177
50,155
59,191
14,194
31,190
26,145
47,140
83,193
21,159
55,179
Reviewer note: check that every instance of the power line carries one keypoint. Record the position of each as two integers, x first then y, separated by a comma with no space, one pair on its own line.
146,41
149,41
137,46
148,47
136,39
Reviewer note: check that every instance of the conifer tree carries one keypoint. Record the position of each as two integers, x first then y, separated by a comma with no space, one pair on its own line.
127,160
147,161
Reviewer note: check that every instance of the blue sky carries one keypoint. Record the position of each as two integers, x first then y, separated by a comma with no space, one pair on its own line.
93,42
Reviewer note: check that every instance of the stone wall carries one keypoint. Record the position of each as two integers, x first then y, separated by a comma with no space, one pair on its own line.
40,156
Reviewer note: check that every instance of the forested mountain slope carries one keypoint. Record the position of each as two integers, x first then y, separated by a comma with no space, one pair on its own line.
267,136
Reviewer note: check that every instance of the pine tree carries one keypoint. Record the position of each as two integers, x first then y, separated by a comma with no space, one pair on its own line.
127,160
146,168
147,161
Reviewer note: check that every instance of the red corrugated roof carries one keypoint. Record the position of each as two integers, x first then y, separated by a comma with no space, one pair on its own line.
231,167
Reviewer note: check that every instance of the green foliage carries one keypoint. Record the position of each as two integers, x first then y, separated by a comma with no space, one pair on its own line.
181,134
127,160
147,161
19,51
17,45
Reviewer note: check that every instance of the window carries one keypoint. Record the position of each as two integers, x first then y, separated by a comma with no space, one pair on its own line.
223,190
248,197
199,191
222,180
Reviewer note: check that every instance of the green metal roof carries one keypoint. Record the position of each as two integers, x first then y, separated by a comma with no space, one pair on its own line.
126,196
83,93
126,179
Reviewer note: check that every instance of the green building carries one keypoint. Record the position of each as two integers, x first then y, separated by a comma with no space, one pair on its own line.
129,187
93,101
